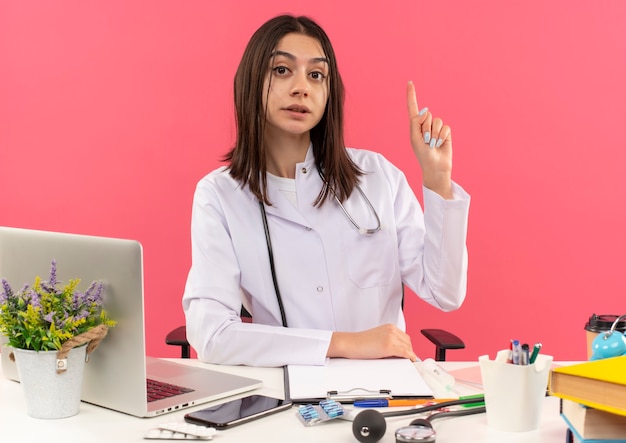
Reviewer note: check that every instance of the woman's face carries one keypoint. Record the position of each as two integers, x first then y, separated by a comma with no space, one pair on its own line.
295,90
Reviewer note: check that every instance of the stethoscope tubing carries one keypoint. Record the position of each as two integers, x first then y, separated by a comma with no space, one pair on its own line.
268,240
437,406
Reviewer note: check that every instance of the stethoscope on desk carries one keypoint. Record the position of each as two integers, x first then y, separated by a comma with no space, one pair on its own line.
268,240
369,426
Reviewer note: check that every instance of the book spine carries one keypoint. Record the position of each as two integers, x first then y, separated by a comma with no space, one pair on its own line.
591,404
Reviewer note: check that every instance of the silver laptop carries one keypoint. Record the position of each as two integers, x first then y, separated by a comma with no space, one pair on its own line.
118,370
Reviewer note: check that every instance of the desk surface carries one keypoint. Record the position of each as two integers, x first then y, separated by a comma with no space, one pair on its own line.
95,424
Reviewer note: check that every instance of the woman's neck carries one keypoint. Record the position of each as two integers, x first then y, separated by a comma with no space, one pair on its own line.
284,154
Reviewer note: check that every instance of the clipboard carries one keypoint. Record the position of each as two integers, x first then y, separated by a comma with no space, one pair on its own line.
347,380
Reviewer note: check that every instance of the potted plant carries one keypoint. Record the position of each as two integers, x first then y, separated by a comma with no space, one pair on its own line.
52,327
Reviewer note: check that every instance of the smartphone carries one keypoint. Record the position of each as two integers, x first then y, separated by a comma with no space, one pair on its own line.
236,412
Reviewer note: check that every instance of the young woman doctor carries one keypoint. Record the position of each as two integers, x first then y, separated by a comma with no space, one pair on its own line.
315,239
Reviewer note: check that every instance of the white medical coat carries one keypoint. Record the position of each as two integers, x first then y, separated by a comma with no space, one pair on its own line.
330,277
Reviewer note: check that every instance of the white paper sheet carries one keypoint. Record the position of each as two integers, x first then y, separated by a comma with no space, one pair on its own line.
357,379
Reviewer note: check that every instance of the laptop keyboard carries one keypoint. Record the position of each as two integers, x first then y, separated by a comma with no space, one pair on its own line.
158,390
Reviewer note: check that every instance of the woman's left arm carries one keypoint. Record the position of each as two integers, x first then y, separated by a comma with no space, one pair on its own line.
446,206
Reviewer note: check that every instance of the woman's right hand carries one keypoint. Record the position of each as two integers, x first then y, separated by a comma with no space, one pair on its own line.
380,342
432,144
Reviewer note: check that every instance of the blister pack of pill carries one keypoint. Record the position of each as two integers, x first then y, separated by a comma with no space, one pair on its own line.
180,431
310,414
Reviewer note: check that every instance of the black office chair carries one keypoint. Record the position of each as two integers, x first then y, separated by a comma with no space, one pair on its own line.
443,340
178,337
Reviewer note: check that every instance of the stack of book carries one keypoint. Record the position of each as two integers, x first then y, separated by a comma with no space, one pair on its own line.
593,399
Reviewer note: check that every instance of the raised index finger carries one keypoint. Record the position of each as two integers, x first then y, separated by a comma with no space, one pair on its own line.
412,101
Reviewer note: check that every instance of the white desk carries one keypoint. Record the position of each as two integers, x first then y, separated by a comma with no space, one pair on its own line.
95,424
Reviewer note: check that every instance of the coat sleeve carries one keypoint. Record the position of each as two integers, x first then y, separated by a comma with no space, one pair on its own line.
434,253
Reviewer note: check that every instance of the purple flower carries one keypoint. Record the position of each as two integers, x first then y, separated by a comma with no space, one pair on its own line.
35,299
53,273
49,317
82,314
93,294
77,300
47,287
7,292
50,286
89,299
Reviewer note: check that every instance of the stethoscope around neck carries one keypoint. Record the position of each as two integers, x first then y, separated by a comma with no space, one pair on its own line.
349,217
268,240
361,230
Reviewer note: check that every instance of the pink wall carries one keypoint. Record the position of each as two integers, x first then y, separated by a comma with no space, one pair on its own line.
111,111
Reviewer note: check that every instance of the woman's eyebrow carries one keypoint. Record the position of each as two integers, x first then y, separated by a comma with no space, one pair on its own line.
293,57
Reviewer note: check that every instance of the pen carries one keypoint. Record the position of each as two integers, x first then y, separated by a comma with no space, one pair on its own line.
524,358
535,353
384,403
516,352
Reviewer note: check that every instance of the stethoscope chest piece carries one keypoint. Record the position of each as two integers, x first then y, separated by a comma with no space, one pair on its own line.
415,433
